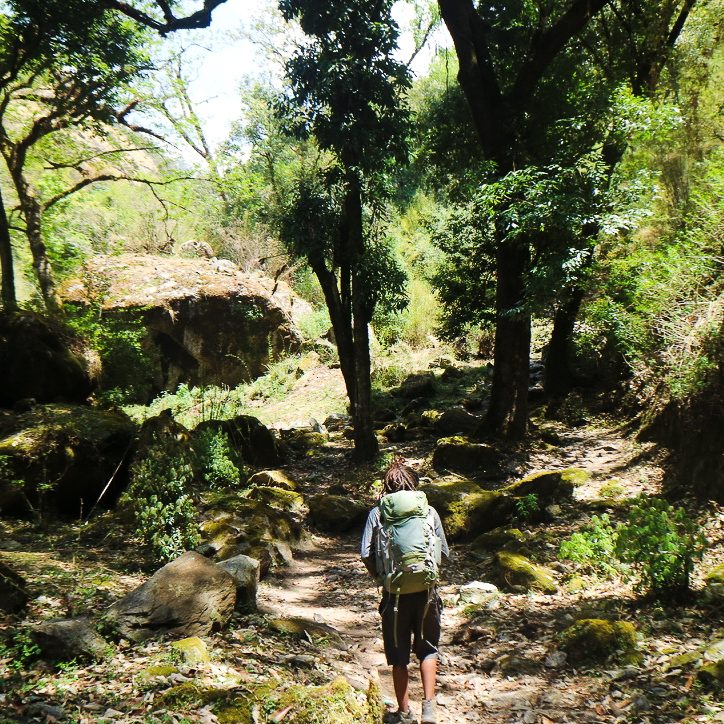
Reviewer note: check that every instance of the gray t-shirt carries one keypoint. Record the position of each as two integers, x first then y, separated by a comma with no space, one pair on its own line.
367,548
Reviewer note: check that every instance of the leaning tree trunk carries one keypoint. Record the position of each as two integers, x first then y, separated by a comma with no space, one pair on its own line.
507,414
9,297
559,376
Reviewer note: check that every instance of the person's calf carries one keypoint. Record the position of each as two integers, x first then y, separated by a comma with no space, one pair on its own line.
400,679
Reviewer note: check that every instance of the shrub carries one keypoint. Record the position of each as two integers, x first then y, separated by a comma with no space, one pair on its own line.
527,507
159,496
594,547
660,543
214,455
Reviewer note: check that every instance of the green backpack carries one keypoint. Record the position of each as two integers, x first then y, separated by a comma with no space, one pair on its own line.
407,550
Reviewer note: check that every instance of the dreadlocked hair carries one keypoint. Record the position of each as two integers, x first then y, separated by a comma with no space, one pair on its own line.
399,477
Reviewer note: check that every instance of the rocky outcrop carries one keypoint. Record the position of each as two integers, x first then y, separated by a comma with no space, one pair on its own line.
592,640
13,595
42,361
191,596
69,638
64,457
209,322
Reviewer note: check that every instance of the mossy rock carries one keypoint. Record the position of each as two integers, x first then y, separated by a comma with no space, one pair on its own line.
72,449
281,499
334,703
515,570
467,509
304,439
157,671
711,675
459,454
320,633
549,485
509,539
192,650
593,640
272,479
714,588
336,513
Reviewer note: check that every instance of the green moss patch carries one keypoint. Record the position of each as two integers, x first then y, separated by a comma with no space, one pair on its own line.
592,640
516,570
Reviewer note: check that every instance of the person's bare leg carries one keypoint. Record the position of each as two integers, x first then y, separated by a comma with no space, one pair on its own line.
428,671
401,678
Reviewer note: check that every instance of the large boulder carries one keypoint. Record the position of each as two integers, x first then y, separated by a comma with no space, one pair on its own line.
43,361
516,572
249,438
549,486
191,596
461,455
336,513
13,595
272,479
456,420
714,579
208,322
65,455
465,508
69,638
593,640
418,385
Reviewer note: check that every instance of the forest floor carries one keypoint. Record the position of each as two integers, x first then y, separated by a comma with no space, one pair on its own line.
498,663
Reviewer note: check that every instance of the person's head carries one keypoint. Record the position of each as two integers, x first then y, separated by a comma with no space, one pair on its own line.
399,477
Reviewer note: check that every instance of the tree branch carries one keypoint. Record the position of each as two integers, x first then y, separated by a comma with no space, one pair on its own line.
55,165
170,23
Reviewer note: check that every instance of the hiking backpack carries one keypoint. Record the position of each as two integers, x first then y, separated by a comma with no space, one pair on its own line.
407,550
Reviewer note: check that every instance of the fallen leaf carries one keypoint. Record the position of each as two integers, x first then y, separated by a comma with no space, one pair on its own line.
278,715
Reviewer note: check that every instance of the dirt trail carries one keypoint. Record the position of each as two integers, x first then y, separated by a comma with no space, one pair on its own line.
497,671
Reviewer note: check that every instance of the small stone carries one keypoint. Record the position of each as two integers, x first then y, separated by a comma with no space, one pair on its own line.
478,593
556,659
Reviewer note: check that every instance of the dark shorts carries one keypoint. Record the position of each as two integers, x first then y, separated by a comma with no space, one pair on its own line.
413,632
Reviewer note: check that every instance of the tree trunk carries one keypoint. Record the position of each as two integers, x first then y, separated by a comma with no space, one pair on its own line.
41,263
507,414
559,376
365,440
9,297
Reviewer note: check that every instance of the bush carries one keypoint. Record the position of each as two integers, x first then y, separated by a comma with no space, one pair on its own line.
159,496
594,547
214,455
526,508
660,543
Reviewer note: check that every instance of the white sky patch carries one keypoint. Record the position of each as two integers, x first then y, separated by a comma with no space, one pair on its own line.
221,58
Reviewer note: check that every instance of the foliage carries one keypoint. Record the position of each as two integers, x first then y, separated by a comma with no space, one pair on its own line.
20,649
527,507
215,462
594,547
159,496
660,542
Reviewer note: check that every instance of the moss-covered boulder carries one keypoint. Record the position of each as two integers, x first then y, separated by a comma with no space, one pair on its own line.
510,539
714,588
418,384
336,513
334,703
593,640
280,499
549,486
272,479
459,454
65,455
516,571
711,674
465,508
456,420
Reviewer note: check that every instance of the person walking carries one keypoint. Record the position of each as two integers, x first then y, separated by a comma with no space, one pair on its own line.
402,547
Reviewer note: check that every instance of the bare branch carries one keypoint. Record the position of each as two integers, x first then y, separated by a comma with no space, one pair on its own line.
170,23
55,165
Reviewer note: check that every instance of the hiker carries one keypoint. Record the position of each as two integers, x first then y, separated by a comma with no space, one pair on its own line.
402,544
